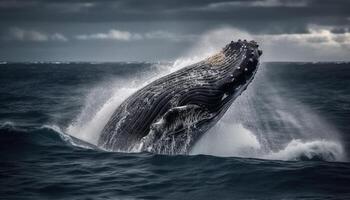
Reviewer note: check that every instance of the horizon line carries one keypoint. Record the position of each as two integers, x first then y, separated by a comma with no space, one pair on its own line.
162,61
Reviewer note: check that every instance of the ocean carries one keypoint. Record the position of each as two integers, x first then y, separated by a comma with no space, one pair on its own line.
286,137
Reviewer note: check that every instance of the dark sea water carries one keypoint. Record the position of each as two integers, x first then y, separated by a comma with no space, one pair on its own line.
286,137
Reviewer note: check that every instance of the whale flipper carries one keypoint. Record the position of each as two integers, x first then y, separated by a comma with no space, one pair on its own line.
170,128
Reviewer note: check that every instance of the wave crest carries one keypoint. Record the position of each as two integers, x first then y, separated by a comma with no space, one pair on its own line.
311,150
227,140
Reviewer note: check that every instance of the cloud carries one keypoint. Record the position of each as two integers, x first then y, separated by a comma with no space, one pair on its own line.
255,15
317,35
318,44
27,35
113,34
120,35
18,34
58,37
258,3
279,3
70,7
169,36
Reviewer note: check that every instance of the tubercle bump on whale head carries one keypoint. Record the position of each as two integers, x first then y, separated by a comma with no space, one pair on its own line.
233,48
247,50
245,60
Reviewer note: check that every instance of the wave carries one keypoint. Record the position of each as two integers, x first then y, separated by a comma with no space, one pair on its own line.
43,136
234,140
224,140
7,125
309,150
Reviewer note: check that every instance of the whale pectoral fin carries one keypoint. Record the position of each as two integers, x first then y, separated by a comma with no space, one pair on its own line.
174,128
181,117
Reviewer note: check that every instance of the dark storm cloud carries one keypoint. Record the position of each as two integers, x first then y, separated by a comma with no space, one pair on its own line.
162,29
249,14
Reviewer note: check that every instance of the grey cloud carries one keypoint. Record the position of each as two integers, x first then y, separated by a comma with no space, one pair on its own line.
170,36
182,10
58,37
166,28
257,3
19,34
257,16
110,35
121,35
340,29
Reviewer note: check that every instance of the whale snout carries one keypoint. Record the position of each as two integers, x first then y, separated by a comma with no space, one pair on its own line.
248,51
245,60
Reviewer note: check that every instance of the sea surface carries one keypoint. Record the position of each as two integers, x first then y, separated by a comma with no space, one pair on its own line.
286,137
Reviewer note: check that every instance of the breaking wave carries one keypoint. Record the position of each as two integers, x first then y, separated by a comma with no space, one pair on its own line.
312,150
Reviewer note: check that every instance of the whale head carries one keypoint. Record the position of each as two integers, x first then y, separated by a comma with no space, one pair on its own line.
233,69
242,60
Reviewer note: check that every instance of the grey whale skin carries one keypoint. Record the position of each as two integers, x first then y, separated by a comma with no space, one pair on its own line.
170,114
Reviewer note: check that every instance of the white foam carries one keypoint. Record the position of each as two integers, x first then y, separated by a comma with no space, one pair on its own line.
317,149
233,140
67,138
58,130
226,139
89,130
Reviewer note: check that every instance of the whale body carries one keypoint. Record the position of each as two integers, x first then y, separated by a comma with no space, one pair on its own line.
170,114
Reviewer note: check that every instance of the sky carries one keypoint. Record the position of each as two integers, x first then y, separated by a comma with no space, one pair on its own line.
165,30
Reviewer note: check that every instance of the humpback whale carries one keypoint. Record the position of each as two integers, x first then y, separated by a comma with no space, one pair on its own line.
170,114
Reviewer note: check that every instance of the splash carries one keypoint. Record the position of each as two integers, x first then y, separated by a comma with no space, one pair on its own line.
102,100
228,140
91,121
309,150
233,140
264,124
260,124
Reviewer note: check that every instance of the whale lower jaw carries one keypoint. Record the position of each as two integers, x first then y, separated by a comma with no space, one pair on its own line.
170,114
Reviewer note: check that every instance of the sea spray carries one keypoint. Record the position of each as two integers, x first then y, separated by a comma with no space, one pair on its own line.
309,150
262,123
102,100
